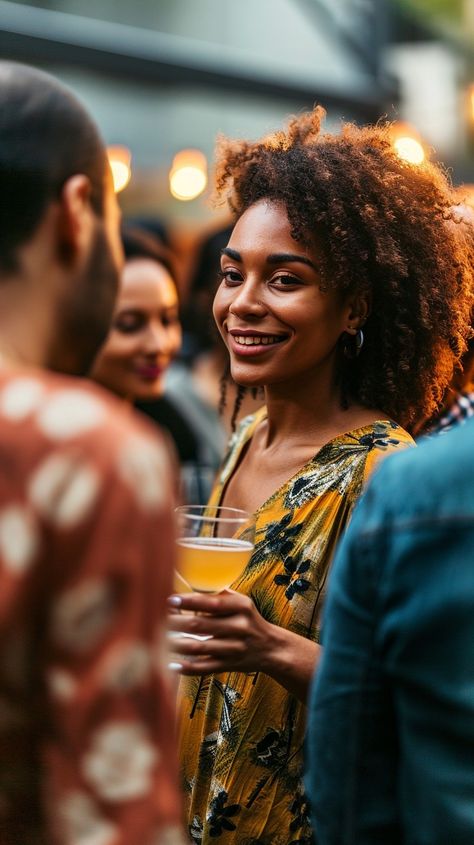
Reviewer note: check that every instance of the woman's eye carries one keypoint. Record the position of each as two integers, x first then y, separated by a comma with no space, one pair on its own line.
170,321
127,324
231,277
285,280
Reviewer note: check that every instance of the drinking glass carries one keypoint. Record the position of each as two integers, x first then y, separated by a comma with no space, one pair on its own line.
214,545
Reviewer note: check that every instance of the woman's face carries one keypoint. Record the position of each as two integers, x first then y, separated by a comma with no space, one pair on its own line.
275,321
145,335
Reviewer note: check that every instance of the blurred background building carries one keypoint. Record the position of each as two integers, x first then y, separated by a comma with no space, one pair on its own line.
164,77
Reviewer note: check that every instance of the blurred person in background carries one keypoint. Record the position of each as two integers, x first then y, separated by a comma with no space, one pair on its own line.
135,361
390,746
154,227
145,335
346,299
86,538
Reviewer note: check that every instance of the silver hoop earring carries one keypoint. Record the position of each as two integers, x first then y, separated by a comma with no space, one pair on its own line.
352,349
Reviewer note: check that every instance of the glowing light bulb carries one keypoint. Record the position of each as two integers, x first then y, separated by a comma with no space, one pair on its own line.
409,149
188,175
120,161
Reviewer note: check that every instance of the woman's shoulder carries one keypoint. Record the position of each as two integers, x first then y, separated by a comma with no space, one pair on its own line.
383,435
245,429
350,458
379,439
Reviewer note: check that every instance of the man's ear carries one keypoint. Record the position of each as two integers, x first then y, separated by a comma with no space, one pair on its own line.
358,310
76,219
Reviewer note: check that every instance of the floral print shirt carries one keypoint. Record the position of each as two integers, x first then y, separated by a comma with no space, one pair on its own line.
241,735
86,557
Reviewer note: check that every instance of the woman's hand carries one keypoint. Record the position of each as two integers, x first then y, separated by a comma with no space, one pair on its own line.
238,639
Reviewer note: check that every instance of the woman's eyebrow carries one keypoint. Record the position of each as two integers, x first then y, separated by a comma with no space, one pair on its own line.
276,258
232,253
284,257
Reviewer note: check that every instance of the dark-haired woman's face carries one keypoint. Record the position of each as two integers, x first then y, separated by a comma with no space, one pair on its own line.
275,321
145,334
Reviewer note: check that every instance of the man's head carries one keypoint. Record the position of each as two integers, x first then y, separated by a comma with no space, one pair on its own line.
59,221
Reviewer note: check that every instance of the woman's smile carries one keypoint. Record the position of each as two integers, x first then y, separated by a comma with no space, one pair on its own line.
251,342
150,372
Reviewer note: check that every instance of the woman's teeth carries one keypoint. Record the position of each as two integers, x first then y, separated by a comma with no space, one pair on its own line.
247,340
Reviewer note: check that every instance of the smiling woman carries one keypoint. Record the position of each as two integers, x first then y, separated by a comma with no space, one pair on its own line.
146,332
344,296
276,321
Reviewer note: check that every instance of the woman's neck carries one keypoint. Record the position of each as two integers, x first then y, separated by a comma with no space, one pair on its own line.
310,410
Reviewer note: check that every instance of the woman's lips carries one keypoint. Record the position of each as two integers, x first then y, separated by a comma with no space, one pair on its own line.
249,344
150,372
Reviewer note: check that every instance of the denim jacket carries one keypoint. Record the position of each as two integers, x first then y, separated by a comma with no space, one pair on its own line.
390,747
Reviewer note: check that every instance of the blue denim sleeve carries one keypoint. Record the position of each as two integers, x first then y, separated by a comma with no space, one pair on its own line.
349,784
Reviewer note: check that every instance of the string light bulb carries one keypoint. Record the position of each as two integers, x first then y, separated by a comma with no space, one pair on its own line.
409,149
120,159
188,175
408,144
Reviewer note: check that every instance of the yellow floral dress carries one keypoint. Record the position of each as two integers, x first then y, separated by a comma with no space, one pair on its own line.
241,735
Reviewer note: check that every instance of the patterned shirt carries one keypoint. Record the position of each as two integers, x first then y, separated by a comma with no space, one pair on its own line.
86,556
460,411
241,734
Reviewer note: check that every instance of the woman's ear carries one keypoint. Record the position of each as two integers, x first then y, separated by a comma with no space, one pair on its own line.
358,310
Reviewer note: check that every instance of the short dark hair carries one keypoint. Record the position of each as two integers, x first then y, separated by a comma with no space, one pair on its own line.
198,322
46,136
140,244
380,223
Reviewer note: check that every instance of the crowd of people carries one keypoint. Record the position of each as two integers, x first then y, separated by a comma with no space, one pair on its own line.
326,697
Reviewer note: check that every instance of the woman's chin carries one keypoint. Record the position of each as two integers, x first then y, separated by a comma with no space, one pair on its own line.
149,392
244,378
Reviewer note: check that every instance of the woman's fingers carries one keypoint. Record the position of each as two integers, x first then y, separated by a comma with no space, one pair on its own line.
212,625
224,603
197,667
225,649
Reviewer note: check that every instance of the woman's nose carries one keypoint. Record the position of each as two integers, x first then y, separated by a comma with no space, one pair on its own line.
155,340
248,300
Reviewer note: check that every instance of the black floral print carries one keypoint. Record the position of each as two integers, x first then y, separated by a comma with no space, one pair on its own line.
278,541
220,816
299,809
292,579
379,437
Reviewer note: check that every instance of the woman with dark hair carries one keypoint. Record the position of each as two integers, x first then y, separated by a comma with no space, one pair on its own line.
347,300
146,332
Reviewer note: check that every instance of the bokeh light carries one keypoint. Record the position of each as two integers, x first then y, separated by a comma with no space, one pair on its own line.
120,164
188,175
409,149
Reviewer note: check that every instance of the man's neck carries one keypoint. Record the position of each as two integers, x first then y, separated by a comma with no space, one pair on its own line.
25,323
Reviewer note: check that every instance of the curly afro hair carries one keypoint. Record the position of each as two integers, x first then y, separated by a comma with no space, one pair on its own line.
381,225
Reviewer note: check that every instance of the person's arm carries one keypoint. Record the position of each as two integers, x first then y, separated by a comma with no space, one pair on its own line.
109,758
242,641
